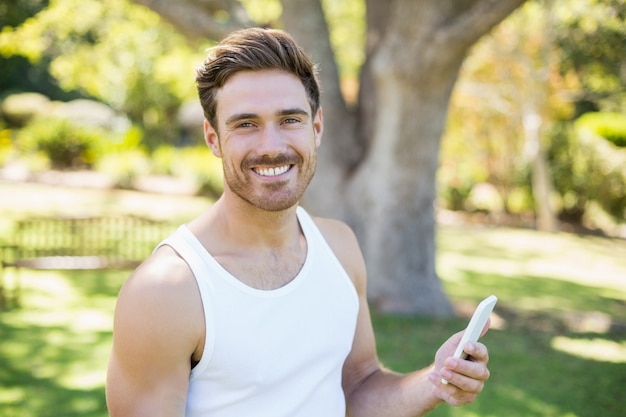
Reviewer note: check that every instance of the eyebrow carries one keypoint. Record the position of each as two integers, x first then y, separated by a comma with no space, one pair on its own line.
294,111
239,116
285,112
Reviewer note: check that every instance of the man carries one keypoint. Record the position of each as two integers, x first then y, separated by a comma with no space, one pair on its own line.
255,308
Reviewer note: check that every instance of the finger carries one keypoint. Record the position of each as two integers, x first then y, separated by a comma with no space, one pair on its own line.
476,352
476,369
450,393
468,384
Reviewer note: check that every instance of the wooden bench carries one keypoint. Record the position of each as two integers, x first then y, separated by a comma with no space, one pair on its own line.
78,243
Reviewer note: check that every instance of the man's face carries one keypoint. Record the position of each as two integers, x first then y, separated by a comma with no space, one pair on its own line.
268,138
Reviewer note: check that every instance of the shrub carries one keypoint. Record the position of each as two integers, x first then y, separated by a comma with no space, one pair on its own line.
124,166
164,161
588,169
195,162
66,145
610,126
19,109
5,146
205,168
114,143
455,180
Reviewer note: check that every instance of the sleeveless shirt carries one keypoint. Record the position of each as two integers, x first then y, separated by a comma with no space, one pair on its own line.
274,353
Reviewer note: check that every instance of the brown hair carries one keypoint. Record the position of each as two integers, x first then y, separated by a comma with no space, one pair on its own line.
253,49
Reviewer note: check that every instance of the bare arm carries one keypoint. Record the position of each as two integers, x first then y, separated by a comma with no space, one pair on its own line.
150,361
372,390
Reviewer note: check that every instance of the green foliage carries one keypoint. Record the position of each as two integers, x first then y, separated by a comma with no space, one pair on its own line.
587,169
206,169
455,180
164,160
13,13
6,146
67,145
18,74
196,163
263,11
346,21
555,59
116,51
591,36
124,166
129,140
610,126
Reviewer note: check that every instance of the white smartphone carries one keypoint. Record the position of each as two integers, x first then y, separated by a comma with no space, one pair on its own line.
475,326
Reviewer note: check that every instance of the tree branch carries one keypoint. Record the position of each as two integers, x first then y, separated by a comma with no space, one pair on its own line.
200,19
476,21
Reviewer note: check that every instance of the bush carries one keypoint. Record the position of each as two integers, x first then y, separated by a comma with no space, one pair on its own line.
455,180
587,169
124,166
113,143
19,109
205,168
5,145
610,126
66,145
195,162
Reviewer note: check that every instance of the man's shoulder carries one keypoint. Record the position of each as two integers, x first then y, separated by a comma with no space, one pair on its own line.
159,323
164,275
344,244
335,230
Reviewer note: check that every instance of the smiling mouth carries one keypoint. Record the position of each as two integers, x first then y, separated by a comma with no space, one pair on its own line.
273,171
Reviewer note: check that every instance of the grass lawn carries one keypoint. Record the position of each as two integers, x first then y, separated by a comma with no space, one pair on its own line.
558,342
558,347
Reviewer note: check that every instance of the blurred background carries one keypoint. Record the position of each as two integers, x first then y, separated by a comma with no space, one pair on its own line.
99,116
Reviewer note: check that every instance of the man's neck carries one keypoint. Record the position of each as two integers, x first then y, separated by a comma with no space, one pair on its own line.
248,226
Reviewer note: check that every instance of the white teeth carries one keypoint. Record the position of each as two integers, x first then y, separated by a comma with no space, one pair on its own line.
272,172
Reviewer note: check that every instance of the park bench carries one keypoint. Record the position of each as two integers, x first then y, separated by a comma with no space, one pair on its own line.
77,243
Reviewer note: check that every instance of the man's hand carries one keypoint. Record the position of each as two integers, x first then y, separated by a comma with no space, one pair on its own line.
466,377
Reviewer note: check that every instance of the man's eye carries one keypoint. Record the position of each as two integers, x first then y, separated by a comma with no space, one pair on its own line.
291,120
244,125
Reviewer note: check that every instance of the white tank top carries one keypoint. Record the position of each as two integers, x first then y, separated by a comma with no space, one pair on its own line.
276,353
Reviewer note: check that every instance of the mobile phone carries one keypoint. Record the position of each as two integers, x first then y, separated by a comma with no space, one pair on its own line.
475,326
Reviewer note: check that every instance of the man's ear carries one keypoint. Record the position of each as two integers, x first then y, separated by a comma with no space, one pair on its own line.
211,139
318,127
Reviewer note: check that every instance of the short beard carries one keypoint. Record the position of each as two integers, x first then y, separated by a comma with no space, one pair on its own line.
280,200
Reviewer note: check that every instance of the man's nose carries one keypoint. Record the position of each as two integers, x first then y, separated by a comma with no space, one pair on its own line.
271,140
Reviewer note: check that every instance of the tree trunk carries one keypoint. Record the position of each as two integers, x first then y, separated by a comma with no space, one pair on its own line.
394,188
414,62
534,99
541,184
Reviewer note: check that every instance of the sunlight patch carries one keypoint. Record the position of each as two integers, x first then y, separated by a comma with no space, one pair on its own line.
596,349
12,395
85,380
91,320
527,404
